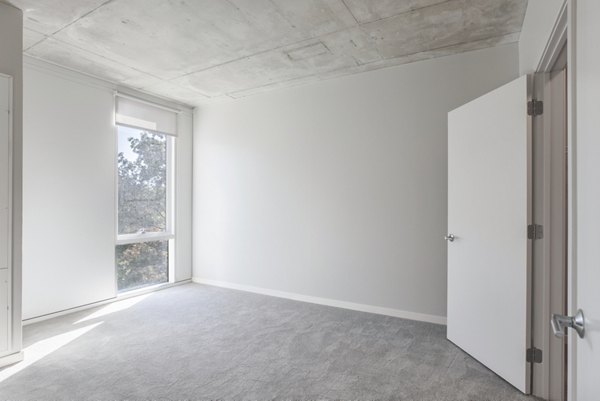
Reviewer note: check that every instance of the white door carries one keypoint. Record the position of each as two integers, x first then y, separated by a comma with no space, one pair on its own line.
585,245
489,208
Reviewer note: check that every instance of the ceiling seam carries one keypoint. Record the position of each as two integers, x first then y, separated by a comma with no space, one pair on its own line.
350,11
102,56
410,11
36,43
276,7
81,16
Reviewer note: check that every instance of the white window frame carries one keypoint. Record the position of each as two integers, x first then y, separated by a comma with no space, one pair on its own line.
169,233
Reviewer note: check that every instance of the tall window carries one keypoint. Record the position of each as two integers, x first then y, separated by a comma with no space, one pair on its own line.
145,234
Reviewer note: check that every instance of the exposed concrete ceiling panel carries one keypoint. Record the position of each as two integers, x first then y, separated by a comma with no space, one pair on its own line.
168,38
196,51
446,51
49,16
77,59
372,10
337,51
183,94
445,24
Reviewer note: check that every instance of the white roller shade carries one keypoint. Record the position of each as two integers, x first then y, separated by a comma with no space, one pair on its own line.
142,114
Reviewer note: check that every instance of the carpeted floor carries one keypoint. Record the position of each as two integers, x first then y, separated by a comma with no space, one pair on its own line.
195,342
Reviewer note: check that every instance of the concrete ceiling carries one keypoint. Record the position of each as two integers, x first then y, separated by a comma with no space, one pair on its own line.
199,51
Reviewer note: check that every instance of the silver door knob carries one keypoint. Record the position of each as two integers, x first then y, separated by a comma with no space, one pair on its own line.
560,322
449,237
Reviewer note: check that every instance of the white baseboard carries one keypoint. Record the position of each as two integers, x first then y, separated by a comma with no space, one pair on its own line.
11,359
380,310
118,298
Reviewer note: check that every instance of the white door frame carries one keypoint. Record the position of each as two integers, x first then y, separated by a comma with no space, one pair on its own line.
575,383
544,206
564,32
571,226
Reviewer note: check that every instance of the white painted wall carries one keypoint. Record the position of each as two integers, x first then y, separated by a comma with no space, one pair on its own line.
337,190
183,187
69,191
11,63
68,194
540,19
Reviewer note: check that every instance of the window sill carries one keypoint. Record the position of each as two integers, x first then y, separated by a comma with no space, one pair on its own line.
151,288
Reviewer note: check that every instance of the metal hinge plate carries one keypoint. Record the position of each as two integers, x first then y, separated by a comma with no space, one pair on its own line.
534,355
535,231
535,107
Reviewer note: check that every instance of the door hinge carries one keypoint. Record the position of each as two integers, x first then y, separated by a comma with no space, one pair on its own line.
534,355
535,107
535,231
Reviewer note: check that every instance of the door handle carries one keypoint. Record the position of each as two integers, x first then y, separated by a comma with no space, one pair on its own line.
449,237
560,322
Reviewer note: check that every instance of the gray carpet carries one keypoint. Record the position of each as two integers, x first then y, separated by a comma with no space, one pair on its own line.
196,342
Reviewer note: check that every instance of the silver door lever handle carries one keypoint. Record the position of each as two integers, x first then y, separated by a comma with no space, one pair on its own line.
449,237
560,322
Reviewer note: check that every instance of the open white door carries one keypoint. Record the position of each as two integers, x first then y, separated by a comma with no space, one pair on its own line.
489,208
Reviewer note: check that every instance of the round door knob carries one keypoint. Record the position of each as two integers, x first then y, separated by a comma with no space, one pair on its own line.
449,237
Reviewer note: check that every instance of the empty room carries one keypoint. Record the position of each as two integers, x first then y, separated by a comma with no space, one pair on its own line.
299,200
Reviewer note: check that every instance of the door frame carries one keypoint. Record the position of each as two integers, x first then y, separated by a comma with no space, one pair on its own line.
570,6
549,283
561,38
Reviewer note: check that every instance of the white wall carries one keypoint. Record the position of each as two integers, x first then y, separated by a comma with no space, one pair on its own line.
11,63
540,19
339,189
183,207
585,142
69,191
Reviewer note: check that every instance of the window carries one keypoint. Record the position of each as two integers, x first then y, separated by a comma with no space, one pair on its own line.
141,264
142,166
145,232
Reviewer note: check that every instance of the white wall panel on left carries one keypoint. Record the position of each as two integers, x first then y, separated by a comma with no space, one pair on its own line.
5,226
11,64
69,189
4,315
4,173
